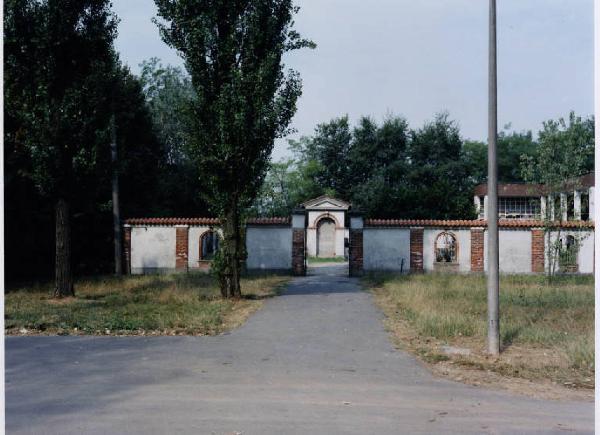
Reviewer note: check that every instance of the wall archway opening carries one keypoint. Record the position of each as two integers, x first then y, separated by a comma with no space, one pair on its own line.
326,238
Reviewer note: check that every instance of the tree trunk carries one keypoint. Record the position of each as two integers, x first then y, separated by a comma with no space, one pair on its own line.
64,278
230,273
115,199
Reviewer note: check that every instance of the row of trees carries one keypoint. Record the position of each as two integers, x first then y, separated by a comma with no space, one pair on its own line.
192,145
63,85
391,170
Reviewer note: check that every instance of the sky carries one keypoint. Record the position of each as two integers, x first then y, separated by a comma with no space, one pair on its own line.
417,58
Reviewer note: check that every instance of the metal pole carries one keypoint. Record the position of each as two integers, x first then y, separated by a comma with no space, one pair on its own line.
115,197
493,263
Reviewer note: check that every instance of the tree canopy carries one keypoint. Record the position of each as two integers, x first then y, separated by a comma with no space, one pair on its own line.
243,100
391,170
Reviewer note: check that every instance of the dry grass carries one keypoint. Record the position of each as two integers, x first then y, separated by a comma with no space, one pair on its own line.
151,304
547,330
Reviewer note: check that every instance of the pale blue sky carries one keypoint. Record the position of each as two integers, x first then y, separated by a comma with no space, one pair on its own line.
416,58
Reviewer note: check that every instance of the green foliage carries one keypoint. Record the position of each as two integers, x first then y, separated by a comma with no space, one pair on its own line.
62,83
330,147
565,150
438,178
59,78
167,90
243,100
385,170
512,146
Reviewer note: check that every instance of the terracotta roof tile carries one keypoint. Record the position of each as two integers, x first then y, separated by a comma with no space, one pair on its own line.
503,223
269,221
202,221
172,221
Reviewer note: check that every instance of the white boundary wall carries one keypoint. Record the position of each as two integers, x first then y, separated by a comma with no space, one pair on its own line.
152,249
385,249
269,248
514,247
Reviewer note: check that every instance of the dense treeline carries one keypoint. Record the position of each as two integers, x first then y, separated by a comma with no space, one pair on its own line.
392,170
62,87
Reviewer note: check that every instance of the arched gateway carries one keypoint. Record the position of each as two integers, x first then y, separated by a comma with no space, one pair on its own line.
326,238
326,231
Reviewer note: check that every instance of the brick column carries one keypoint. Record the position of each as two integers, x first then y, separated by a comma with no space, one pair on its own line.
537,250
299,242
181,247
416,250
355,251
477,251
126,250
298,251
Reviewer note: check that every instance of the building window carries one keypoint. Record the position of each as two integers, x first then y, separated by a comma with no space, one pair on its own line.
557,207
519,208
568,254
570,206
209,245
481,200
585,206
446,248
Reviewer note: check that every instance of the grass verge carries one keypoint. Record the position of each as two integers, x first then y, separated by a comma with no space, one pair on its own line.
136,305
547,330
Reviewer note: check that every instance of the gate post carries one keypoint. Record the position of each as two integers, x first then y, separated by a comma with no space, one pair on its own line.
355,252
181,247
416,249
299,242
127,249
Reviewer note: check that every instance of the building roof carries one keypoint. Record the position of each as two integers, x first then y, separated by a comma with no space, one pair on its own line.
503,223
528,189
325,202
512,189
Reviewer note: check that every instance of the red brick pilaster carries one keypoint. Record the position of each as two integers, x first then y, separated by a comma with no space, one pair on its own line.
127,250
181,247
537,251
356,252
416,250
477,251
298,251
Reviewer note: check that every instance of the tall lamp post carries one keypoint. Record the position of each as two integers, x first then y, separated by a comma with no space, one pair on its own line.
493,263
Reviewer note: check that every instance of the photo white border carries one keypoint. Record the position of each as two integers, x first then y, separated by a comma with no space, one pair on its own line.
596,206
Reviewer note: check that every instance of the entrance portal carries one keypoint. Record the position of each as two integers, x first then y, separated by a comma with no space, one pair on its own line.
326,238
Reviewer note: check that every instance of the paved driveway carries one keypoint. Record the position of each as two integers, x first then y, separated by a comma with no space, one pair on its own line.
313,361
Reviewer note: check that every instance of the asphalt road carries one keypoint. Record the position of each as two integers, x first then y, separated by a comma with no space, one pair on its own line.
313,361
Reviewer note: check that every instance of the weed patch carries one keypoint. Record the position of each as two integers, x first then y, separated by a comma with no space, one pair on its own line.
546,327
156,304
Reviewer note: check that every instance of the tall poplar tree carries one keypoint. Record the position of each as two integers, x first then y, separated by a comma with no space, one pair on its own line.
244,99
58,76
